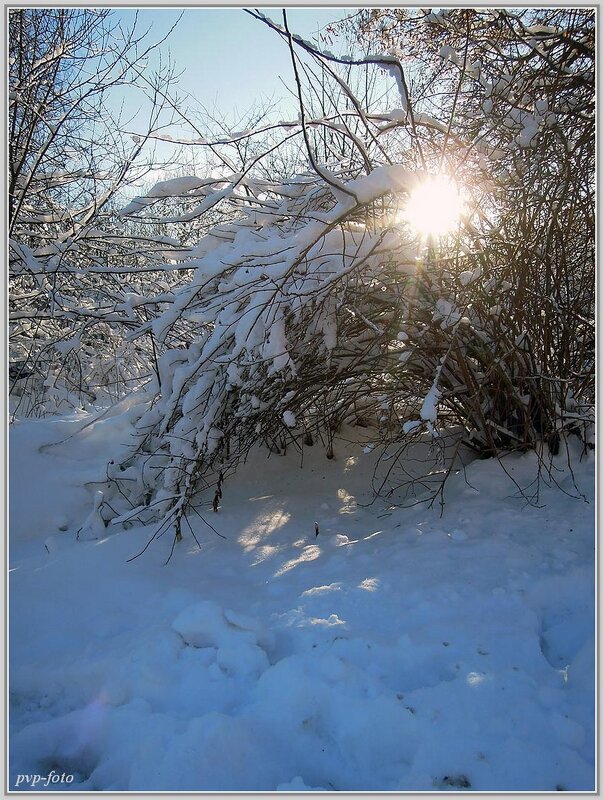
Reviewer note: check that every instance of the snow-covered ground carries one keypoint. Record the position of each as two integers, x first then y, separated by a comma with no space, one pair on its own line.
398,650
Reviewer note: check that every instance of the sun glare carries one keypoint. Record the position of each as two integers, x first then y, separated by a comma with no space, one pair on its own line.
434,207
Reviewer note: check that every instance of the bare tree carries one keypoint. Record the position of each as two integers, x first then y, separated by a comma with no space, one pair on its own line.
69,159
309,301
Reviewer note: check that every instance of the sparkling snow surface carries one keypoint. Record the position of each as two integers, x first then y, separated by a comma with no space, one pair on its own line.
397,650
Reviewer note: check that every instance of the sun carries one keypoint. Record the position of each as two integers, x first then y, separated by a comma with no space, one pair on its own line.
433,208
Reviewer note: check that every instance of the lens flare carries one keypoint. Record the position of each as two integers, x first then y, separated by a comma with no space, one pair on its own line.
433,208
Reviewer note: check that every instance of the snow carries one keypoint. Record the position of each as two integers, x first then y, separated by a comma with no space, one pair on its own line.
289,419
173,187
398,650
385,178
94,526
429,406
469,276
395,70
447,53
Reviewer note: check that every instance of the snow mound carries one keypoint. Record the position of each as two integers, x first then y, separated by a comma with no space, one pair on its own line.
207,624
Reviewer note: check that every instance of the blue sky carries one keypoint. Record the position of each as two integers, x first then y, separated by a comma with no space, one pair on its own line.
228,59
